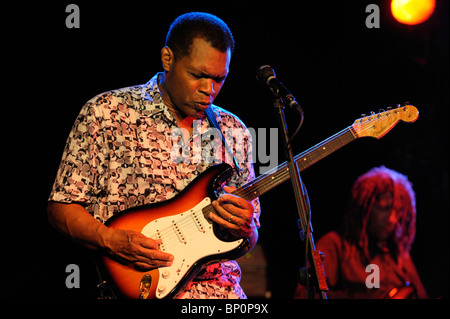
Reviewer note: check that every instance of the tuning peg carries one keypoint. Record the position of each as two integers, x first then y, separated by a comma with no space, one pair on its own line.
389,108
363,115
406,103
399,105
381,110
372,113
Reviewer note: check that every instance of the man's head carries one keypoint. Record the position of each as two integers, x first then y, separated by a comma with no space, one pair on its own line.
190,26
196,62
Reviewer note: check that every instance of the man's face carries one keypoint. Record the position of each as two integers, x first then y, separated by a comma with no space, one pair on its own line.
192,82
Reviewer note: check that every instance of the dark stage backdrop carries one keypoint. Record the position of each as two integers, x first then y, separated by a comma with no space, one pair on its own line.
335,66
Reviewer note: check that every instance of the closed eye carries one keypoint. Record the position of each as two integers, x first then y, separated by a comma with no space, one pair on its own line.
205,76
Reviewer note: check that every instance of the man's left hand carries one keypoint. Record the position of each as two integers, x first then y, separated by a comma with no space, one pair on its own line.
234,214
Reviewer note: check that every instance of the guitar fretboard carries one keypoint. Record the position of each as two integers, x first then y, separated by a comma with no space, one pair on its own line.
280,174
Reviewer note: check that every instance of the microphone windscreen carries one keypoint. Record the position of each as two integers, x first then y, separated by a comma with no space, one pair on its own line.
264,73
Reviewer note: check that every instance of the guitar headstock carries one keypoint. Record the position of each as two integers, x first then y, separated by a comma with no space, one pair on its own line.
377,125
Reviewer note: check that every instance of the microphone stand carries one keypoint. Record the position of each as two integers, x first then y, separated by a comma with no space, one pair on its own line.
315,271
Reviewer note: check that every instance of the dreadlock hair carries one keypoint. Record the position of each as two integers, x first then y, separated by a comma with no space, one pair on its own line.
365,192
189,26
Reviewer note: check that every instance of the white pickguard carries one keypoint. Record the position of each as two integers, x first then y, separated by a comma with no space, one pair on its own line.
189,237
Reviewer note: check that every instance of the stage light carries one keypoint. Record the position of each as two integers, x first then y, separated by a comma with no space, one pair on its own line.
412,11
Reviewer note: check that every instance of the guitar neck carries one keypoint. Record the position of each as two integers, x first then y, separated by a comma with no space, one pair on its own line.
280,174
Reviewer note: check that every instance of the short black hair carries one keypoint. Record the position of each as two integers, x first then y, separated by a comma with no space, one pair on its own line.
189,26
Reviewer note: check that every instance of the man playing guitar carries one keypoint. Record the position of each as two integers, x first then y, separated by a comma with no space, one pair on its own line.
117,157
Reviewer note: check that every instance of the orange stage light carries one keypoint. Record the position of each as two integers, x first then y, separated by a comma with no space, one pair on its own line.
412,11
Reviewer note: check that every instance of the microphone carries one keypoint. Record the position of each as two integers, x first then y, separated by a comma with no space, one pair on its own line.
266,75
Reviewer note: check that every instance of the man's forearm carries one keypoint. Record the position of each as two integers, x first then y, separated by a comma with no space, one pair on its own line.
76,223
132,247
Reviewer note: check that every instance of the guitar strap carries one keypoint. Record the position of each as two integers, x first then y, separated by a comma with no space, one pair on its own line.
212,120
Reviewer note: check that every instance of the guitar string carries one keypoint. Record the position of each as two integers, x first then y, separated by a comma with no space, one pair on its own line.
178,223
188,230
171,233
189,233
185,224
281,172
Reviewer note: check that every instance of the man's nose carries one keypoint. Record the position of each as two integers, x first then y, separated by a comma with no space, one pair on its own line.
207,87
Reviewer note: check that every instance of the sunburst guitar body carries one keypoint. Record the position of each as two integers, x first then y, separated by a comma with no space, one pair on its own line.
186,232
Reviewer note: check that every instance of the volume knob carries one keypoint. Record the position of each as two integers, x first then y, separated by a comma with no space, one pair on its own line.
161,289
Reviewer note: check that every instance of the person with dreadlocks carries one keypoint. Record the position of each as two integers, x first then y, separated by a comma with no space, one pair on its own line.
378,230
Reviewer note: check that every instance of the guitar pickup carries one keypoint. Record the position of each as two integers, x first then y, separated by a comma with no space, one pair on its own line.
161,246
178,232
197,221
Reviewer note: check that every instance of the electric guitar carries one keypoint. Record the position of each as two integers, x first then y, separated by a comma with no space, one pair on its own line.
187,233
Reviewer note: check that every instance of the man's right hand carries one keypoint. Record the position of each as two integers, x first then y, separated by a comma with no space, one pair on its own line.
132,247
137,250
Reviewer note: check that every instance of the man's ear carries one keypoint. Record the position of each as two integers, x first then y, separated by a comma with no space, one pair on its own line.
167,58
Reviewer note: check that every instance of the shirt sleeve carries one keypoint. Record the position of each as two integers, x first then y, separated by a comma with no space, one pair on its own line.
83,159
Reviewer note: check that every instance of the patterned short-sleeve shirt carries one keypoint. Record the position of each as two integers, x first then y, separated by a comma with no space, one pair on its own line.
126,149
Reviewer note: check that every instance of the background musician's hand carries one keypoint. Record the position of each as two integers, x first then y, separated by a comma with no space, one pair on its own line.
234,214
138,250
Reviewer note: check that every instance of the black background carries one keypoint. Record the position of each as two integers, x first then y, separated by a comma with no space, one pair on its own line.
323,52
